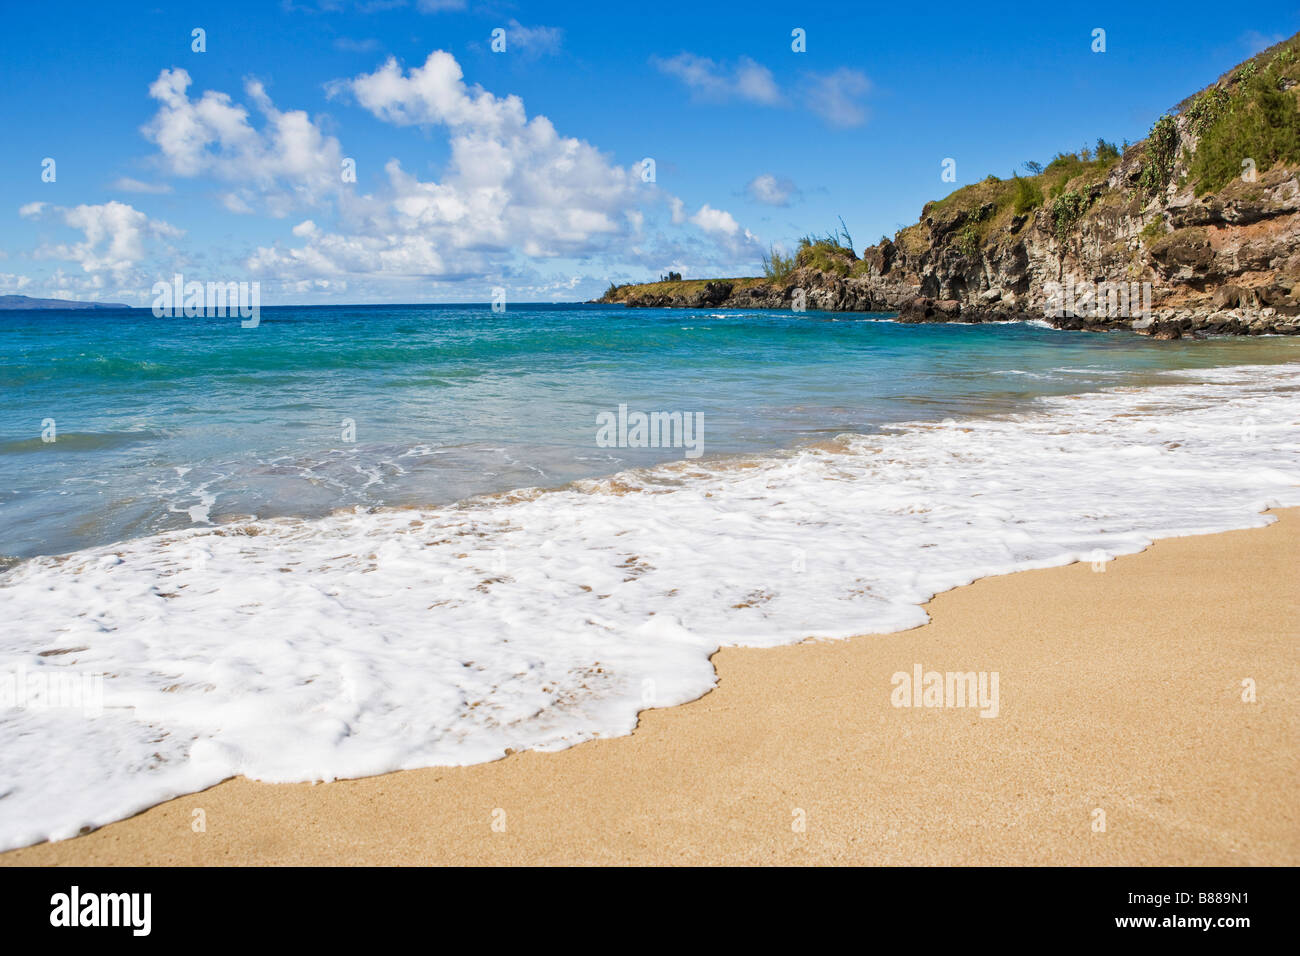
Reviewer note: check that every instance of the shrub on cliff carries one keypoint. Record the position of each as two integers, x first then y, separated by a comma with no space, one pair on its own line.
1161,149
776,266
1259,122
832,252
968,239
824,256
1206,108
1027,196
1066,211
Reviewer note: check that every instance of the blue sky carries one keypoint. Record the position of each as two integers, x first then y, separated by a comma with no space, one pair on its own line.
523,168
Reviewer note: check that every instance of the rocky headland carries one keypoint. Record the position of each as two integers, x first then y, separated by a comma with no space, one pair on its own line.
1193,230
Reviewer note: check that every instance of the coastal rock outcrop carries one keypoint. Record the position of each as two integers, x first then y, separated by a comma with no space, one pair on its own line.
1194,230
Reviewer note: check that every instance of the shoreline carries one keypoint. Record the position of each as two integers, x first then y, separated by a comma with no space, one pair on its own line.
1162,325
1119,691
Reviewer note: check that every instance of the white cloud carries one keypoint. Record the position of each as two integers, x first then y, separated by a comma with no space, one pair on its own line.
534,41
115,236
745,80
31,210
835,96
716,220
1256,41
286,164
771,191
511,183
127,184
511,189
349,45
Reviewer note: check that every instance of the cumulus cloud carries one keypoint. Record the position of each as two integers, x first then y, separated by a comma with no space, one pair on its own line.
716,220
835,97
287,163
770,190
512,184
719,82
511,187
115,235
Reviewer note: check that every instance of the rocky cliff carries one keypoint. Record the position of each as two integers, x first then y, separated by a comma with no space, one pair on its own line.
1193,230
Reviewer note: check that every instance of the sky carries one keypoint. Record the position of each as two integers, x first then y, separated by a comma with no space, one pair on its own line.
350,151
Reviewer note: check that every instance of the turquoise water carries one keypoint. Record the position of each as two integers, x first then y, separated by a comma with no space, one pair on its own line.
164,423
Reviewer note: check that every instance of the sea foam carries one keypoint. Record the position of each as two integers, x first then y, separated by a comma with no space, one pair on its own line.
376,640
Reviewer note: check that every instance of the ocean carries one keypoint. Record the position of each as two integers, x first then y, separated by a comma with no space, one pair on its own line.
359,539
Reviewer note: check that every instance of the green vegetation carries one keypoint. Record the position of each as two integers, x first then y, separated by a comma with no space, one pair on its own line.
776,266
1152,231
1257,121
1161,148
1067,209
987,208
1206,108
1027,196
823,255
968,239
832,252
685,287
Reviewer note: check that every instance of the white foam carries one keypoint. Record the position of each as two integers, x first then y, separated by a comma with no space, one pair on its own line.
376,640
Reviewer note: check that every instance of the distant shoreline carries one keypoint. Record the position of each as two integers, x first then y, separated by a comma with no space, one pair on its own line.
26,303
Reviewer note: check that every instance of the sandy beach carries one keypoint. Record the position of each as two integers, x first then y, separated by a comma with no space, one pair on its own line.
1121,737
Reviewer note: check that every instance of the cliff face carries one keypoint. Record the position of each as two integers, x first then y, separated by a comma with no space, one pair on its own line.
1194,229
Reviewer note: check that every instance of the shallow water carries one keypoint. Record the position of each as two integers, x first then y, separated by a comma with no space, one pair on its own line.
167,423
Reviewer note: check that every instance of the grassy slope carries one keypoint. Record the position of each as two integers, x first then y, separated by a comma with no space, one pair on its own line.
681,287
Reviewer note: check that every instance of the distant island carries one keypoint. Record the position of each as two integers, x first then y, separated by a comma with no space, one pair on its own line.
19,302
1200,220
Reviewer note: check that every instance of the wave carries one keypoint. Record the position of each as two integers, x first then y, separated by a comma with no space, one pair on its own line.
381,639
80,441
